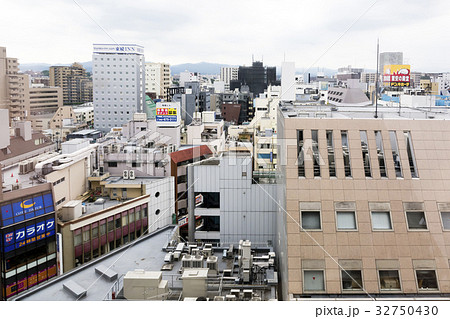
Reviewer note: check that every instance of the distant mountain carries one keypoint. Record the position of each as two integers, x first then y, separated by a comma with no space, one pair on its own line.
202,68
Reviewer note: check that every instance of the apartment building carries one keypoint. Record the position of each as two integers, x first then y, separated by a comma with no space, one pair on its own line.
157,79
119,84
13,88
363,202
44,102
75,82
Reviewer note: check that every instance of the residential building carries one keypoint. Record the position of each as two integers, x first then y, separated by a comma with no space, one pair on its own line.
157,79
207,130
119,84
13,88
74,81
363,206
368,77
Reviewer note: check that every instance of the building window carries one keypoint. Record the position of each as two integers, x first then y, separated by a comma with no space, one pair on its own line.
426,280
346,220
315,149
389,280
86,236
411,158
365,153
118,223
313,280
110,226
331,161
351,280
395,154
346,154
94,232
125,220
445,216
311,220
416,220
381,221
380,154
77,240
300,154
112,164
102,229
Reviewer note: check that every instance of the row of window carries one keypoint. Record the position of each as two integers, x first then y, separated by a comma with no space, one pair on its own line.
306,147
62,179
108,234
381,220
352,280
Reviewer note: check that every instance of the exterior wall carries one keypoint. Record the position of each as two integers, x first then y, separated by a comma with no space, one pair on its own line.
157,78
45,100
69,183
247,210
404,249
115,105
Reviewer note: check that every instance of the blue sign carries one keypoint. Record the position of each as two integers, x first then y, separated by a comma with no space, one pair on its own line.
166,118
38,203
6,211
48,200
40,228
50,224
31,231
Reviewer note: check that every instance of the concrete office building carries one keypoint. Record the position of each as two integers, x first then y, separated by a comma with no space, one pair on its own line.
363,202
157,79
73,79
119,84
387,58
227,74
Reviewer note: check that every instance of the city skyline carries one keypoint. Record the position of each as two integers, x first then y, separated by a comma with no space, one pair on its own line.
325,34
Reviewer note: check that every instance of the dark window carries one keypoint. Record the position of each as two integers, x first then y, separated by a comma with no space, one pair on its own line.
426,280
351,280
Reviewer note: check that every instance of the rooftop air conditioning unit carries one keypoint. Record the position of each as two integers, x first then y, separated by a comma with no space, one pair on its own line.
125,174
131,174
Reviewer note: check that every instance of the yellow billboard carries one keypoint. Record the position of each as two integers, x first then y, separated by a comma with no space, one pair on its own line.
397,75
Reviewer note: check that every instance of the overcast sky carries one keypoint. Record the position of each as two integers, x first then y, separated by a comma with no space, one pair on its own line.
229,32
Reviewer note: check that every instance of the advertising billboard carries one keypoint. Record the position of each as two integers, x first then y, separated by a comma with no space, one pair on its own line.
26,208
168,114
397,75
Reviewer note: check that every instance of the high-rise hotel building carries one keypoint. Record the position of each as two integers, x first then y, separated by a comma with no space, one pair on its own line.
119,84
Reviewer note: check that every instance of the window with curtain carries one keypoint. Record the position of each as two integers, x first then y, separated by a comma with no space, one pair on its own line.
346,220
311,220
381,221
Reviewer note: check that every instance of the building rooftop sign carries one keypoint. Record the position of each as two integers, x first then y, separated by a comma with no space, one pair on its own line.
119,48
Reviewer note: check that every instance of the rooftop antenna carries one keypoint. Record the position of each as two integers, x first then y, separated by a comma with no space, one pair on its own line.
376,81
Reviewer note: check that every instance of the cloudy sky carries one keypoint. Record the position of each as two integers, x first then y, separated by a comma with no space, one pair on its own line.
320,33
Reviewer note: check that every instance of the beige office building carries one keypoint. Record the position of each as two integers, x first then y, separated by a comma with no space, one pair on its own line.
364,202
157,79
44,102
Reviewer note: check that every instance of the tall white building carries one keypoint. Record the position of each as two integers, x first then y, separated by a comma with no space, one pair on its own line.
157,78
227,74
119,84
288,81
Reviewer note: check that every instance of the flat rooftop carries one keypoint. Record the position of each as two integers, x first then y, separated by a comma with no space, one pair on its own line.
145,253
312,110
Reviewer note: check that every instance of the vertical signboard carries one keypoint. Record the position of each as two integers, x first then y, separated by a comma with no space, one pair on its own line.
168,114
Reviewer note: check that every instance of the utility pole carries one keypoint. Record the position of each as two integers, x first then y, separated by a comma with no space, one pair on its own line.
376,81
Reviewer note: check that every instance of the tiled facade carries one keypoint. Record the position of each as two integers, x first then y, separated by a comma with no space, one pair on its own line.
353,212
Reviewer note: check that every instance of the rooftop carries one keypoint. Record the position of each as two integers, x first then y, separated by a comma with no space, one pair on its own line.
145,253
312,110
